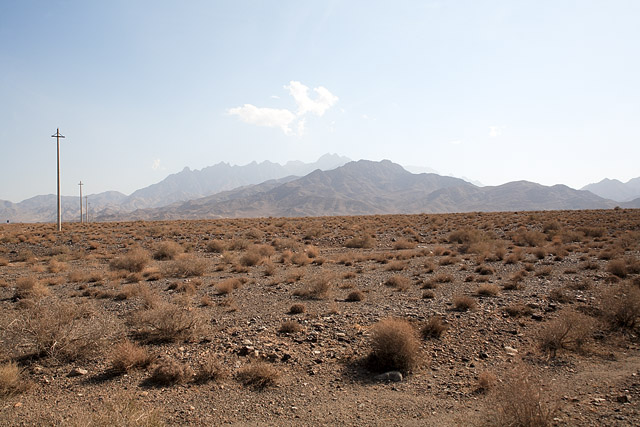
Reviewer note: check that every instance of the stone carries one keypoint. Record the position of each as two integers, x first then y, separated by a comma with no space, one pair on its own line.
623,398
393,376
77,372
510,350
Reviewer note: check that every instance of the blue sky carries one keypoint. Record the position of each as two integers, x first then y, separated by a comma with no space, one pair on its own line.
496,91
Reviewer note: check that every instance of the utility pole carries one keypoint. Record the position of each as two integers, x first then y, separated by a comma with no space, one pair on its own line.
57,136
81,216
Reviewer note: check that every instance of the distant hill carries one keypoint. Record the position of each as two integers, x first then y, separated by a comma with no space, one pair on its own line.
616,190
191,184
366,187
183,186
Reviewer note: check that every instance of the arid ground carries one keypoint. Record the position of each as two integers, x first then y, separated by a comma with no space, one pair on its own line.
526,318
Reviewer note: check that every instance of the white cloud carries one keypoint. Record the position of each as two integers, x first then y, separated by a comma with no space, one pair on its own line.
286,119
156,164
324,99
495,131
269,117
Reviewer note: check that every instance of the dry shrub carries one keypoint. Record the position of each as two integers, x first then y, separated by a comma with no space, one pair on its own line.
394,346
169,372
186,265
569,330
621,305
560,295
403,244
529,238
216,246
167,250
396,266
127,356
54,266
133,261
400,283
289,327
258,375
210,369
166,323
617,267
312,251
227,286
428,295
300,259
518,401
297,309
443,278
30,287
3,262
318,288
463,303
355,296
11,380
360,242
484,270
488,290
63,331
434,328
517,310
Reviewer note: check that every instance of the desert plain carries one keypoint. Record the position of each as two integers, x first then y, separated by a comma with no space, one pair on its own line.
510,318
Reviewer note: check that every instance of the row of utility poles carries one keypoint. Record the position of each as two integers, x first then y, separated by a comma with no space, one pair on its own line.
83,219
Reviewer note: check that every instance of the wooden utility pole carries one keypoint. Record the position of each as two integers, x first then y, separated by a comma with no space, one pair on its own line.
81,216
57,136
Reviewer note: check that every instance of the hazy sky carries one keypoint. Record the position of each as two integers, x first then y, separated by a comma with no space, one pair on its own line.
546,91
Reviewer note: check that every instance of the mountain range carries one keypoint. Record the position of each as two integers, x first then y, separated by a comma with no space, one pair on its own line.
616,190
331,186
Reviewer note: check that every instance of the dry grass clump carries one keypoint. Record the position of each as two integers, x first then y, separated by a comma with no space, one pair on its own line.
216,246
258,375
167,250
434,328
464,303
289,327
227,286
11,380
169,372
318,288
403,244
210,369
4,262
518,401
621,305
396,266
400,283
62,331
360,242
186,265
517,310
394,346
300,259
297,309
127,356
355,296
54,266
617,267
166,323
133,261
488,290
30,287
569,330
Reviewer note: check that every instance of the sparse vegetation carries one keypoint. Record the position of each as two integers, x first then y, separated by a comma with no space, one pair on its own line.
394,346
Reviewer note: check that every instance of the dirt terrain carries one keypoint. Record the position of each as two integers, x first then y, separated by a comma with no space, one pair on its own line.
525,318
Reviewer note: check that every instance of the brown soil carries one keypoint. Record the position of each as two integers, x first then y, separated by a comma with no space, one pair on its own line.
321,373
